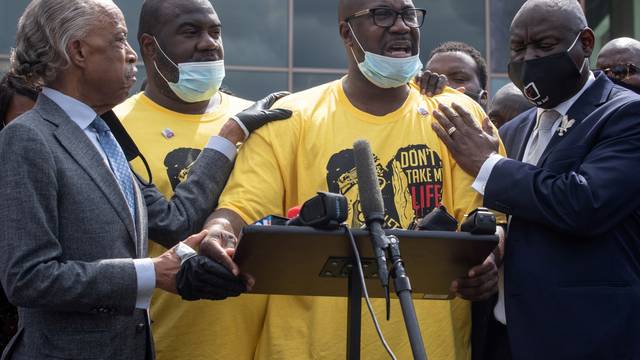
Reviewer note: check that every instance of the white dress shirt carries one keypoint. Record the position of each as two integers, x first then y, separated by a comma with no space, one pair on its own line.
481,180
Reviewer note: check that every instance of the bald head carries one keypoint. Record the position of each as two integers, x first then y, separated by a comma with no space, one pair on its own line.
542,28
622,50
616,55
507,104
156,13
561,15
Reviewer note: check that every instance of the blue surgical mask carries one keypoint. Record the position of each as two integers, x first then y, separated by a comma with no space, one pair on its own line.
197,81
387,72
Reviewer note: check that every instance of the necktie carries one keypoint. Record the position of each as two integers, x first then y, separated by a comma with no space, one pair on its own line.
539,141
541,136
117,161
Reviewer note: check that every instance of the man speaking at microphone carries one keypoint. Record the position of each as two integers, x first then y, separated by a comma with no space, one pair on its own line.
284,164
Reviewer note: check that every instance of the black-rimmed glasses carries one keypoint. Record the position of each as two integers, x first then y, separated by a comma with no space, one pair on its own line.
386,17
622,71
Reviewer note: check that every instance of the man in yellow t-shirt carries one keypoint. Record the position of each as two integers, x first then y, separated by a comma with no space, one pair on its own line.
171,122
285,163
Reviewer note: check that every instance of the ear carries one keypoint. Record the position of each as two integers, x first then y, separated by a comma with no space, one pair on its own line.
345,34
588,40
350,42
148,46
484,98
77,52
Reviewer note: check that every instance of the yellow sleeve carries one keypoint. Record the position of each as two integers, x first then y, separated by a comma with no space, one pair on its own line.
265,161
465,198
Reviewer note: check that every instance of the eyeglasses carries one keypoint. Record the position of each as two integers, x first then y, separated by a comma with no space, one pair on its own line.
386,18
621,72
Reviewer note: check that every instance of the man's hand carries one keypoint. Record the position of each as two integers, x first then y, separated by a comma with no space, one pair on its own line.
469,144
480,284
498,252
220,246
167,265
431,84
203,278
238,128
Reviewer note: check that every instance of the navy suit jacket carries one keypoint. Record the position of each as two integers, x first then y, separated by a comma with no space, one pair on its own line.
572,260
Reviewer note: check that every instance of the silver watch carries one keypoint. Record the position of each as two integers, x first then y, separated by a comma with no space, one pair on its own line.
184,252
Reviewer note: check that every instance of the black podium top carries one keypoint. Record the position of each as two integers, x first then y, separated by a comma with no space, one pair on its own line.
291,260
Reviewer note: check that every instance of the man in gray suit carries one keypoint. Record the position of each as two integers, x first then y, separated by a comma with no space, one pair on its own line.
73,219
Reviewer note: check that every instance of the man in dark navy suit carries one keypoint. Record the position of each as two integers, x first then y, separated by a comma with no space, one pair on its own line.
572,188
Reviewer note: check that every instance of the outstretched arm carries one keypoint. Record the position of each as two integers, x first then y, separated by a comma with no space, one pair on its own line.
172,220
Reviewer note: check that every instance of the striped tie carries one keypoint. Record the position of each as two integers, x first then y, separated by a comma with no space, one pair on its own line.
117,161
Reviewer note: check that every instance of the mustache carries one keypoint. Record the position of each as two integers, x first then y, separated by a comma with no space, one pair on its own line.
131,72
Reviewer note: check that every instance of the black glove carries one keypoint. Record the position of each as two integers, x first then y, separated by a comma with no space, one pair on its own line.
202,278
261,113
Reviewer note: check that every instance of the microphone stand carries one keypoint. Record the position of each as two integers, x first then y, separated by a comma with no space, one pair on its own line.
403,289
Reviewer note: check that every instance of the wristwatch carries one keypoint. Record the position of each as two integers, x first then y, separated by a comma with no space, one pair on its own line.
184,252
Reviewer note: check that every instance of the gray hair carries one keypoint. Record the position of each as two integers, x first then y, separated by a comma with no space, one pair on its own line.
44,32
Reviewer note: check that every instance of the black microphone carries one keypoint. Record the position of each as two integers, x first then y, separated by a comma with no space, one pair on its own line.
372,205
323,211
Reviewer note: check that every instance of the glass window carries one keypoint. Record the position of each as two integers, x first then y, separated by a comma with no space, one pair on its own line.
306,81
459,20
502,13
254,85
254,32
4,66
497,82
317,42
131,11
611,20
10,12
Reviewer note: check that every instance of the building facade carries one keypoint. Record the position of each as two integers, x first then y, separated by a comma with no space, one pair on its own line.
294,44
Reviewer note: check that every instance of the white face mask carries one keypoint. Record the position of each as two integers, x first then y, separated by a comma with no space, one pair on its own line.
197,81
387,72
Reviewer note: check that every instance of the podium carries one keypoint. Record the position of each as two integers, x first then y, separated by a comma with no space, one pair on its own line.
303,261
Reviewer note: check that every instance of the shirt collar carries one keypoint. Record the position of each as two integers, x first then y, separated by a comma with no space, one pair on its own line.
79,112
563,108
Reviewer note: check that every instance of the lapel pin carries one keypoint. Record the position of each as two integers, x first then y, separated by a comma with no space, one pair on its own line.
167,133
565,125
423,111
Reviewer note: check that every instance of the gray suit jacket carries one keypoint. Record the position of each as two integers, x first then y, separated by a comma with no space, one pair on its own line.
67,239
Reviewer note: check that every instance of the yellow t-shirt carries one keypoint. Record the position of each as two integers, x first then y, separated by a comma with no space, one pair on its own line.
200,330
285,163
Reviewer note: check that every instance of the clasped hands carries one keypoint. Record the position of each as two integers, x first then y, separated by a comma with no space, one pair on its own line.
210,274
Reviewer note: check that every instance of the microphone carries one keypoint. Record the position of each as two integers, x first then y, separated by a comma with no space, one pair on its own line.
323,211
438,220
373,210
372,205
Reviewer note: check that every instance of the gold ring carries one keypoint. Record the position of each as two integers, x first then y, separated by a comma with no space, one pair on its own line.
451,130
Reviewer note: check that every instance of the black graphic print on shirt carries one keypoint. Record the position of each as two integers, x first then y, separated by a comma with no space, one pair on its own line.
411,183
178,163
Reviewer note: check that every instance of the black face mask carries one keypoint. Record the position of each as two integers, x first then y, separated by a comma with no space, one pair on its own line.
548,81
